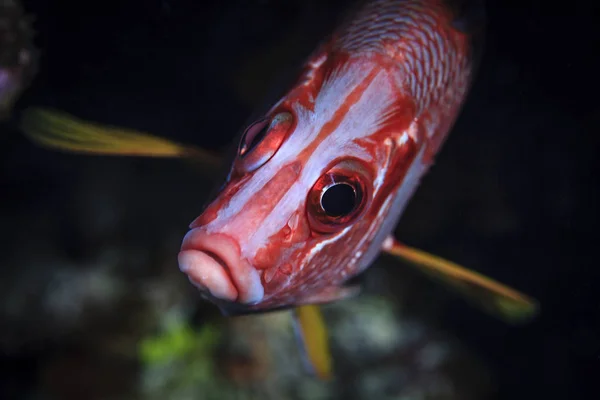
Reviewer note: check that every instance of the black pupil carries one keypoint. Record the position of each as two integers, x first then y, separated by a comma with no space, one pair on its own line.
254,135
338,200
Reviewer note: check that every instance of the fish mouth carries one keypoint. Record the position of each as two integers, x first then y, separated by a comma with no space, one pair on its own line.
213,263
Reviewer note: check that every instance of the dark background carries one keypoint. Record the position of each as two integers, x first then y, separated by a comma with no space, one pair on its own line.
514,192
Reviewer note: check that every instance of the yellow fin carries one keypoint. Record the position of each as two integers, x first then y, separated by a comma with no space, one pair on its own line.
313,338
496,298
62,131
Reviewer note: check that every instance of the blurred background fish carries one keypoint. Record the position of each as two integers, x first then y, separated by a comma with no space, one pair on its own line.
18,56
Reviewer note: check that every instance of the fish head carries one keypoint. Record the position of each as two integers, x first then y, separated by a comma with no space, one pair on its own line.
305,205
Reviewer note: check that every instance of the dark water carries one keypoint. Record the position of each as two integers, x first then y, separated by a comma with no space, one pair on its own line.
514,192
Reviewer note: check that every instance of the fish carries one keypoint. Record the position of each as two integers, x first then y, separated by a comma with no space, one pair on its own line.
318,183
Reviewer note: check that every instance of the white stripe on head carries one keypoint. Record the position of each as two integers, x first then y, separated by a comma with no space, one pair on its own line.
362,120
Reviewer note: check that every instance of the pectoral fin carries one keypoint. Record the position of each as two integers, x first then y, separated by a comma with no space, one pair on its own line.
313,340
62,131
330,294
496,298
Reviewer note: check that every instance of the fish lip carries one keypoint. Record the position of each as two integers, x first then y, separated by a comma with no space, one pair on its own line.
225,251
209,273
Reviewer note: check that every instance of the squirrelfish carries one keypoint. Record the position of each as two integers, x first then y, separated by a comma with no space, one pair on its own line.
320,181
332,165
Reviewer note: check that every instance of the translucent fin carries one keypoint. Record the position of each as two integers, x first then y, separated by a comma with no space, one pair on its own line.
496,298
62,131
313,340
330,294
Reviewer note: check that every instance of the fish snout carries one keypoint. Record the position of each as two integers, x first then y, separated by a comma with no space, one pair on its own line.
214,264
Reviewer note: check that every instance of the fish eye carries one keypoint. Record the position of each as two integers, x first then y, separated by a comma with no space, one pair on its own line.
261,140
253,135
338,197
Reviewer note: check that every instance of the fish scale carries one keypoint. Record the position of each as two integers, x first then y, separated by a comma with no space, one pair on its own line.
418,36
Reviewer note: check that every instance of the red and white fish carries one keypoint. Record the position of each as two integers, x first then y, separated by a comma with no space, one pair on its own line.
318,184
333,164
